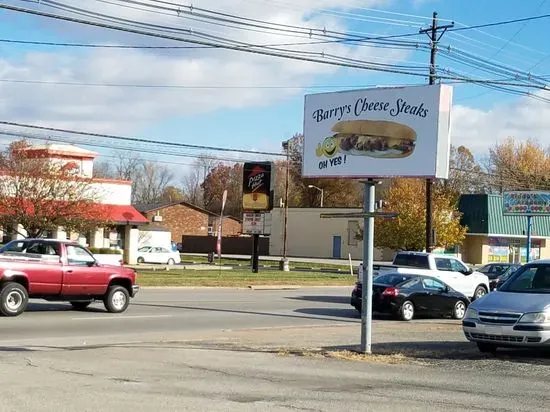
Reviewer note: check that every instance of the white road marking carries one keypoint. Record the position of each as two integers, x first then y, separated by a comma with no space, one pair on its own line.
121,317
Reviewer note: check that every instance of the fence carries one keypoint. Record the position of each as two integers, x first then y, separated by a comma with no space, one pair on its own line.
230,245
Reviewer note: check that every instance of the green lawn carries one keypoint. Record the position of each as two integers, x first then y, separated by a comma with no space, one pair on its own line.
246,263
240,278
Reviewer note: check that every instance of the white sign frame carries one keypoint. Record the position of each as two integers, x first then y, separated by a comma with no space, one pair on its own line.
421,115
258,223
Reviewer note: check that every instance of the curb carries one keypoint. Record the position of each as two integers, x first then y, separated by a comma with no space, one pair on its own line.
274,287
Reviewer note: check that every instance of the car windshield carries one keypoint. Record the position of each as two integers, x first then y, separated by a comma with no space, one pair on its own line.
529,279
392,279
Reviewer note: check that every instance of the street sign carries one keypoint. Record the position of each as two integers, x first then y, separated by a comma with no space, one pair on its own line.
257,223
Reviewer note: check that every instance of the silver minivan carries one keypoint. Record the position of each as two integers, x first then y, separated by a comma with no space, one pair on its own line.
515,315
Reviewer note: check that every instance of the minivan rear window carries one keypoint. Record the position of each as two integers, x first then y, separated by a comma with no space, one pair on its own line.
415,261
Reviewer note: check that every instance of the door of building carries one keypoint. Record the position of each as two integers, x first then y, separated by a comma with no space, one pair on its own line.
337,247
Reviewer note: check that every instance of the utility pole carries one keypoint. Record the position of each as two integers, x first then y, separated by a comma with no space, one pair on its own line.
283,263
433,34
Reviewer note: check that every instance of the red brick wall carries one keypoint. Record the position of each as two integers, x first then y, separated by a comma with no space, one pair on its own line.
231,227
181,220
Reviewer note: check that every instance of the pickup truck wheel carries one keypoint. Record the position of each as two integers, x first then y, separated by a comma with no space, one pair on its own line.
14,299
479,292
406,312
81,305
117,299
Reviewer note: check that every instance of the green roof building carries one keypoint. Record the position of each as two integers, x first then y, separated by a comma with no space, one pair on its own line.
495,237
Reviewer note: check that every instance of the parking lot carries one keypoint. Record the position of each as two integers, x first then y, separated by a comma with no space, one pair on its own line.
241,349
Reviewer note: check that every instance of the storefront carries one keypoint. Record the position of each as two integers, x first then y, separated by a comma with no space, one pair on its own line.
495,237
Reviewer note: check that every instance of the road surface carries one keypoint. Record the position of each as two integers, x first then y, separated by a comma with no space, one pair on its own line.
250,350
181,312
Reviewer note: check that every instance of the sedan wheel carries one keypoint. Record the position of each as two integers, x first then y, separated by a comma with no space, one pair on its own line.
171,262
460,310
407,311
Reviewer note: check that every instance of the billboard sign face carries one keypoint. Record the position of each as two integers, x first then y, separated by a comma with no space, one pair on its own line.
258,186
526,203
380,132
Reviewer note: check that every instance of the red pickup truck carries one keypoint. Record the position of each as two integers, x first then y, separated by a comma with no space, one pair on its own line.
57,270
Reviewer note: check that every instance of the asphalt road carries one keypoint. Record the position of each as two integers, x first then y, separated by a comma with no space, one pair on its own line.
251,350
180,312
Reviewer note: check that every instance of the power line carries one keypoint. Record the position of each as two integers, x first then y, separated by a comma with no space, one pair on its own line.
139,140
306,32
501,23
178,86
201,42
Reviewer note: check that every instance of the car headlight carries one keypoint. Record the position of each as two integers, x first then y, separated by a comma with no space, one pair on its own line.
536,317
471,314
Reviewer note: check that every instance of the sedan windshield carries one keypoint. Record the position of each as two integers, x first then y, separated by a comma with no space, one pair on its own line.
529,279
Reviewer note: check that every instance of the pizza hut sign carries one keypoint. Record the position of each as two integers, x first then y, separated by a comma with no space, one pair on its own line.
257,184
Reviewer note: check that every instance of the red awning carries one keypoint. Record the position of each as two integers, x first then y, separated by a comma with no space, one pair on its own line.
122,214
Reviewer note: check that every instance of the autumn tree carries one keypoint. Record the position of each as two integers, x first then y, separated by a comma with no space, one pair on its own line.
407,230
518,165
43,195
336,192
194,178
224,177
465,174
151,182
172,194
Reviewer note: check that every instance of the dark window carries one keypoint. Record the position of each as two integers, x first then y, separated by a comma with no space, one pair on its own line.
392,279
416,261
443,264
433,284
78,256
529,279
413,283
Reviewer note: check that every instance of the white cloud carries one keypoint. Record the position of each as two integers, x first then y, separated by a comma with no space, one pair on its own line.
522,119
126,109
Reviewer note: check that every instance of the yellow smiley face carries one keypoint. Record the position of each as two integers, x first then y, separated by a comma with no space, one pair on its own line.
329,146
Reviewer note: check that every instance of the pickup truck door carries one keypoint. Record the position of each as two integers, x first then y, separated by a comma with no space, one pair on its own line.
82,274
460,271
452,278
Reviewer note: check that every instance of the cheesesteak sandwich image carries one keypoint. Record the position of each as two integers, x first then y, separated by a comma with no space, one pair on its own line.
374,138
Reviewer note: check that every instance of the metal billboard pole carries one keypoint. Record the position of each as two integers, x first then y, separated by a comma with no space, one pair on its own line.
368,216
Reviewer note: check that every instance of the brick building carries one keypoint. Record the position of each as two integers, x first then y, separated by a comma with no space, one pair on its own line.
183,218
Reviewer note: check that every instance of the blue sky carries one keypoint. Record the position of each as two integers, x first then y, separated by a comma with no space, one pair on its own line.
262,118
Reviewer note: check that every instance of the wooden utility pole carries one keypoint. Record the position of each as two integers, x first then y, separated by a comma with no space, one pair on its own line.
435,36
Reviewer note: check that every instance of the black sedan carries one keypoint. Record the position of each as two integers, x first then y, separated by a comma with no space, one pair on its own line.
498,272
405,296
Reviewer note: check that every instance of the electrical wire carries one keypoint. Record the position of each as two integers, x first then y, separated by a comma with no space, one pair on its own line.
177,86
201,42
137,140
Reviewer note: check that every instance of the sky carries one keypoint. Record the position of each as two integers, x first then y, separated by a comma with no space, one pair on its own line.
235,99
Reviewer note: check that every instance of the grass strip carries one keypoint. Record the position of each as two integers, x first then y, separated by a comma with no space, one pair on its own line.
240,278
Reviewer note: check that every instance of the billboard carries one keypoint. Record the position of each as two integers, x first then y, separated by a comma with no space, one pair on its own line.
380,132
526,203
258,186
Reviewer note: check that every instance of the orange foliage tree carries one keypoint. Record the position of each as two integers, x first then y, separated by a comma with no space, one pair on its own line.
407,230
42,195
